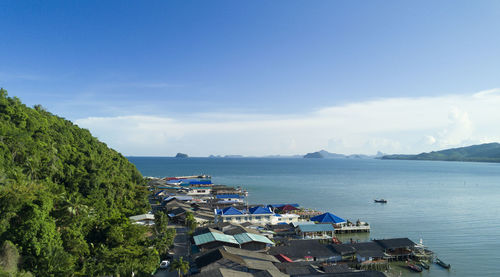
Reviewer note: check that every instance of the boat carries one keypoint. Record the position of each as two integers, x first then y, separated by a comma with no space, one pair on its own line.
380,201
424,265
443,264
414,267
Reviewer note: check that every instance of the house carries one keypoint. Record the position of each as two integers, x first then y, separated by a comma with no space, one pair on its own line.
257,215
251,241
207,238
315,231
282,229
238,229
306,250
160,194
229,198
214,239
203,217
398,248
223,272
226,272
285,218
250,254
199,191
221,258
178,214
287,209
143,219
299,268
346,251
277,206
368,251
185,198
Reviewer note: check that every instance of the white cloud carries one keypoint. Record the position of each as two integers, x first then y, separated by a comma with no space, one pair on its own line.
395,125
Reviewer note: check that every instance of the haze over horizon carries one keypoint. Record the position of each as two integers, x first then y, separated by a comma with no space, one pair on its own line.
262,77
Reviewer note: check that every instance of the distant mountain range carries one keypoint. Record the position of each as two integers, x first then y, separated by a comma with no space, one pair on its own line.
323,154
488,152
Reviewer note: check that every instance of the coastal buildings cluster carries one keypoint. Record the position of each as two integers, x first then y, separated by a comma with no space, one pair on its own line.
235,238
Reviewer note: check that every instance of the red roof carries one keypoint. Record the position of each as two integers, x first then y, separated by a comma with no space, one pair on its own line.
288,208
284,259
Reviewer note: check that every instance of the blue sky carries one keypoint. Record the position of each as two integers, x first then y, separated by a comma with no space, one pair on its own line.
258,76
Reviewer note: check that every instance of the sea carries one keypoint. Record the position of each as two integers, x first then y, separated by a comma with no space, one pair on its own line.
454,207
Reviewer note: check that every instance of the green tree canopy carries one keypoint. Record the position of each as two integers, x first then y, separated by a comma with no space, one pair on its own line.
65,198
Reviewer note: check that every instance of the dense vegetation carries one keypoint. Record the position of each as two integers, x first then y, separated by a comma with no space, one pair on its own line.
488,152
65,199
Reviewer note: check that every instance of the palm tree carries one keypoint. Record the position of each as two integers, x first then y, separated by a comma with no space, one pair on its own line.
179,265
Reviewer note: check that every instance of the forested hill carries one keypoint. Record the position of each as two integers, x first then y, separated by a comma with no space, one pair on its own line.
65,199
488,152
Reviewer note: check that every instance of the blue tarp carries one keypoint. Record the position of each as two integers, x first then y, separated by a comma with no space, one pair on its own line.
328,218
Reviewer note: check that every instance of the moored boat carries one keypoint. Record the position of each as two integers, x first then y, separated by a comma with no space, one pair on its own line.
424,265
380,201
442,264
414,267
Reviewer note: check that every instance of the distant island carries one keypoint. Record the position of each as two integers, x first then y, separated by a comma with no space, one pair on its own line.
488,152
323,154
181,155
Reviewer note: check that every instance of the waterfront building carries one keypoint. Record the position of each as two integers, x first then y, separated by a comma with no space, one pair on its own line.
397,248
315,231
238,260
306,250
257,215
368,251
199,191
229,198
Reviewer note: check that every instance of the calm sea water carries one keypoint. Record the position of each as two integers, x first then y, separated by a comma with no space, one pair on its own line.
453,206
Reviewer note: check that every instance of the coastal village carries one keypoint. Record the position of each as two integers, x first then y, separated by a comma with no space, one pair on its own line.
231,237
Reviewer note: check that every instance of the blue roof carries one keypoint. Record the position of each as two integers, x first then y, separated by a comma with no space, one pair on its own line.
220,196
327,218
159,192
308,228
229,211
178,197
194,181
259,210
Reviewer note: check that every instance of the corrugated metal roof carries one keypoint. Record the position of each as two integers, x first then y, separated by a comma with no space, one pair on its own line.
248,237
316,228
209,237
142,217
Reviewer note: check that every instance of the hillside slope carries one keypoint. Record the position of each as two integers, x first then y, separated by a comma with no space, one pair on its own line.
65,198
488,152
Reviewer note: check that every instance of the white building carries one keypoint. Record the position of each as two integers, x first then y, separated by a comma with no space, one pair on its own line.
257,215
199,191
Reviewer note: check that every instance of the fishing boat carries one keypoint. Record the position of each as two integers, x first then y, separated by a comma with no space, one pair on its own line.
443,264
414,267
425,265
380,201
